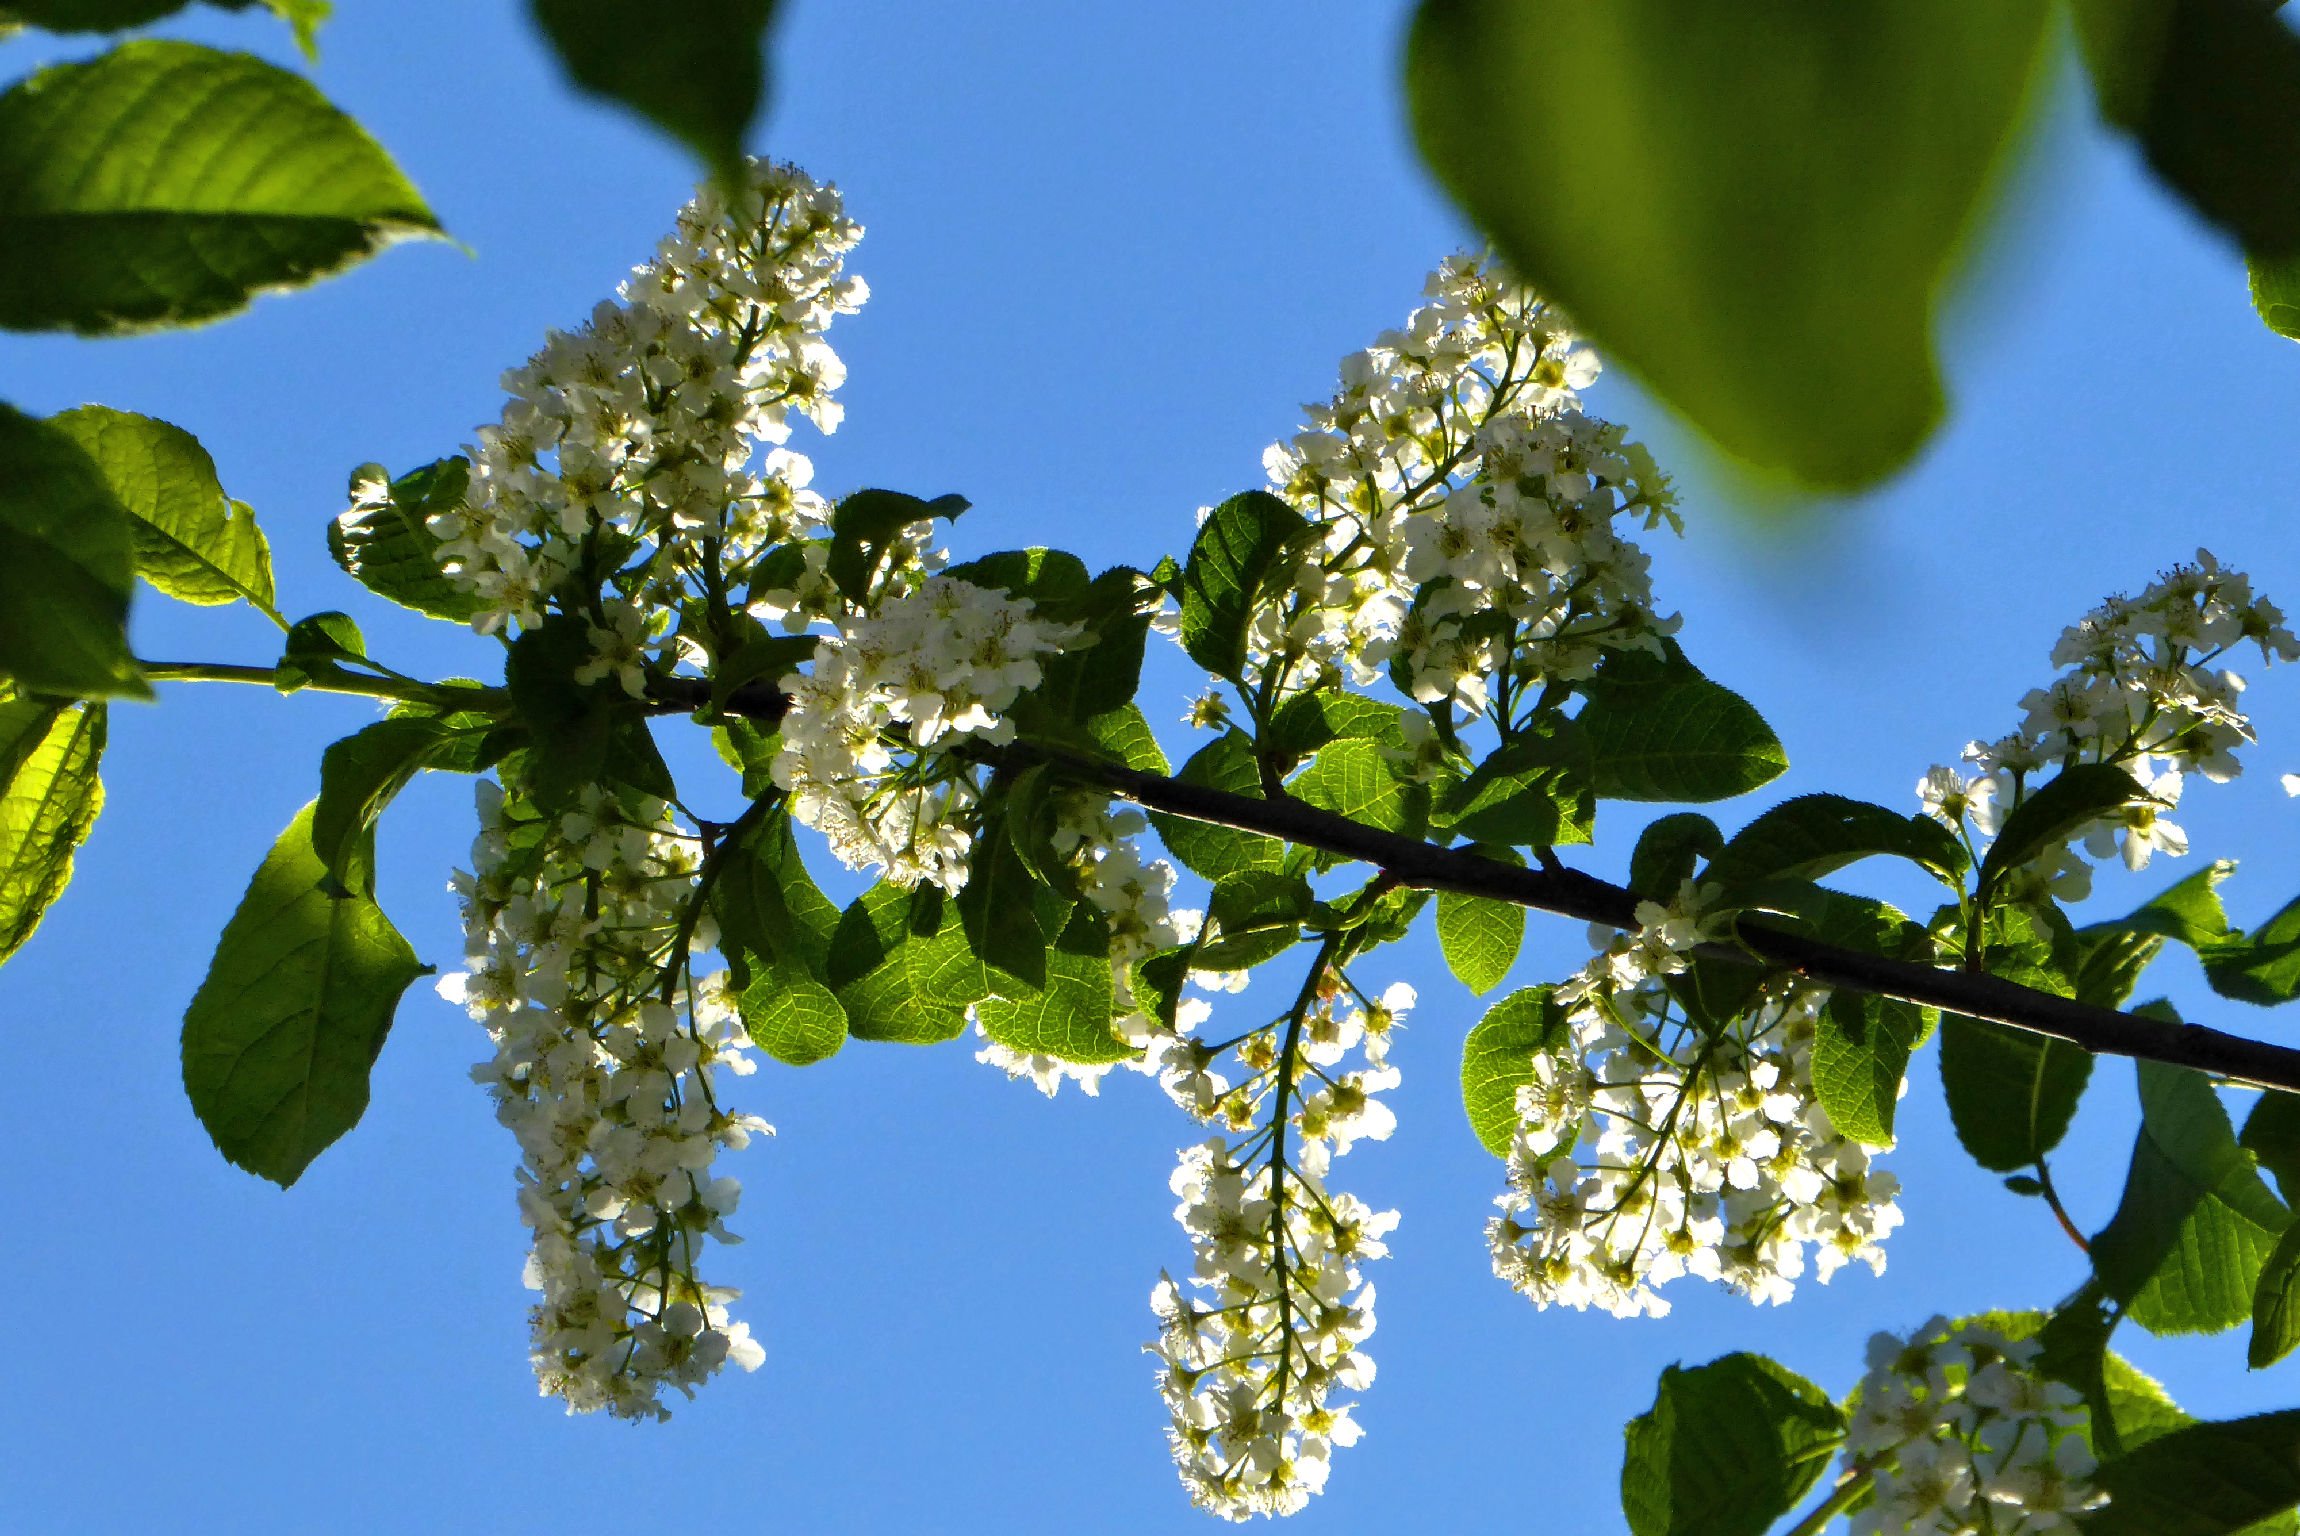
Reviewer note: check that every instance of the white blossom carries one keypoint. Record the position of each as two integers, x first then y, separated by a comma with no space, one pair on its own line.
1647,1149
1958,1433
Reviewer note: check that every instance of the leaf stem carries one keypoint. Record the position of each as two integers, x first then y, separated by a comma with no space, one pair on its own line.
406,689
1851,1484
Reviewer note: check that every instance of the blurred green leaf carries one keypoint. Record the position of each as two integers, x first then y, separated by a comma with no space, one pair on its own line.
1753,207
2211,89
163,183
2210,1479
696,70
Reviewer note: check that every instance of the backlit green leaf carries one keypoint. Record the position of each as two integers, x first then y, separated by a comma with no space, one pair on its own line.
280,1037
1497,1060
49,797
191,540
1240,550
382,539
1069,1019
1726,1449
164,183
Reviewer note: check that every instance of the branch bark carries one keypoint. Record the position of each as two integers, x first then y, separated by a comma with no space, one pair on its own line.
1572,893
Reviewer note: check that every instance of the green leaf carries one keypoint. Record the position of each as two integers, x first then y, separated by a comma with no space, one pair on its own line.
1497,1060
2272,1136
1677,737
869,523
163,183
1861,1053
1101,669
769,907
191,541
999,906
697,71
2196,1224
1125,734
2276,293
2053,813
2276,1304
316,647
1753,207
49,797
2011,1093
2211,89
66,565
1479,936
902,967
1254,916
1816,835
1309,720
383,542
2203,1480
1070,1017
1226,763
2261,967
1352,778
1668,849
1243,546
358,777
1726,1449
1533,793
573,723
790,1013
280,1037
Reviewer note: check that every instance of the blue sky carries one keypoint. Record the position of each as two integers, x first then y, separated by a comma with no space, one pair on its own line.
1110,253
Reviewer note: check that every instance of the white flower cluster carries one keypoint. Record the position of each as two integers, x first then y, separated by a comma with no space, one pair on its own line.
608,1076
936,663
1959,1434
1647,1149
643,428
1269,1327
1455,455
2139,690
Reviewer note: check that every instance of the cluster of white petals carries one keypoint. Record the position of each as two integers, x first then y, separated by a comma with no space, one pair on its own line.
2140,689
608,1075
1647,1149
1958,1433
865,743
1455,462
1268,1329
641,432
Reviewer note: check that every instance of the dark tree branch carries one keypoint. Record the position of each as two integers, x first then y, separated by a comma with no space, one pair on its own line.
1571,893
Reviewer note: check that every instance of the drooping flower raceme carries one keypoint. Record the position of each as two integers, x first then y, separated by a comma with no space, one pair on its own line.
636,475
650,440
609,1076
2139,689
1466,508
1958,1433
1647,1148
1265,1334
